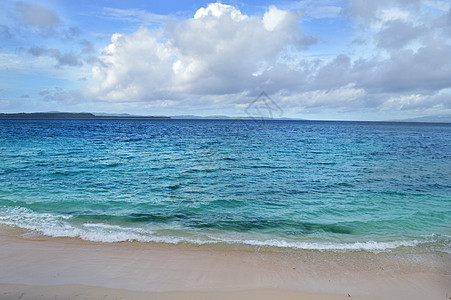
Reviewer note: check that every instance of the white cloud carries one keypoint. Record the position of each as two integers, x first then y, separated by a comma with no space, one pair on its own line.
218,10
221,59
274,17
219,51
394,13
135,68
410,102
343,97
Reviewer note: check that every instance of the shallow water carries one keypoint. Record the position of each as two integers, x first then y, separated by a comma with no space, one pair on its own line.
340,186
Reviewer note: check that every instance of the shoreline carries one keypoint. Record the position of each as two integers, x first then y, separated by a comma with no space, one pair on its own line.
32,262
109,233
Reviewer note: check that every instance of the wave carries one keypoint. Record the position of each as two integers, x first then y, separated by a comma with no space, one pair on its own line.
61,226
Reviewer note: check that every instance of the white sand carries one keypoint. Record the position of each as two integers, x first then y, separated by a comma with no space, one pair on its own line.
24,292
41,266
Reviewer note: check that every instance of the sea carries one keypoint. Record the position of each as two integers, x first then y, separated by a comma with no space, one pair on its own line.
251,184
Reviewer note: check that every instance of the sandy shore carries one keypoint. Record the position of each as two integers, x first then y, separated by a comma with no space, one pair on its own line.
25,292
37,267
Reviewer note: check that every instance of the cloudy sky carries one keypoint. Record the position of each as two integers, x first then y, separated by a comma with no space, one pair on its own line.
316,59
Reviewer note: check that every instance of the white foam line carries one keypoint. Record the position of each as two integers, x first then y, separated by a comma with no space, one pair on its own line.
58,226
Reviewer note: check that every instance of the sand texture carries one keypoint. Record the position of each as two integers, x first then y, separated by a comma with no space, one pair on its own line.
61,268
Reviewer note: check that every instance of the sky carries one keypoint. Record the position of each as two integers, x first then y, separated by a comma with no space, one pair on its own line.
314,59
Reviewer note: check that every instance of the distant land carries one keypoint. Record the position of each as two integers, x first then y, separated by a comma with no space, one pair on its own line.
193,117
68,115
428,119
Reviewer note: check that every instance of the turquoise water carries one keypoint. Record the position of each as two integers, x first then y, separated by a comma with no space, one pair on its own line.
340,186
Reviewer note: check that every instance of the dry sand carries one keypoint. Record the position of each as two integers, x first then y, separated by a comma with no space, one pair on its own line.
74,292
37,267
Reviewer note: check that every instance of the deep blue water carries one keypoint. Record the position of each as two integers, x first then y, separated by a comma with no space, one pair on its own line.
290,184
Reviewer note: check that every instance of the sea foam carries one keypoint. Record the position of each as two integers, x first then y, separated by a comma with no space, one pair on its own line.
61,226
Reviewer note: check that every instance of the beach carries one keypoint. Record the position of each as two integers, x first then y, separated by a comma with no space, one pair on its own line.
211,209
40,267
225,150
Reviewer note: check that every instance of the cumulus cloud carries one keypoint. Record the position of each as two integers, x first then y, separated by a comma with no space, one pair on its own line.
218,51
221,57
415,43
221,50
426,70
135,68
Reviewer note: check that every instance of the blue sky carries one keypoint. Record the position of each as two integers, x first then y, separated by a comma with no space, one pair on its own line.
323,59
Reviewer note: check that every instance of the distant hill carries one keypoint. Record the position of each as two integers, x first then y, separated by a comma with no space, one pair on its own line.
66,115
429,119
192,117
48,115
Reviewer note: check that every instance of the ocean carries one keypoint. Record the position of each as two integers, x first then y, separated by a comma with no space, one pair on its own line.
254,184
